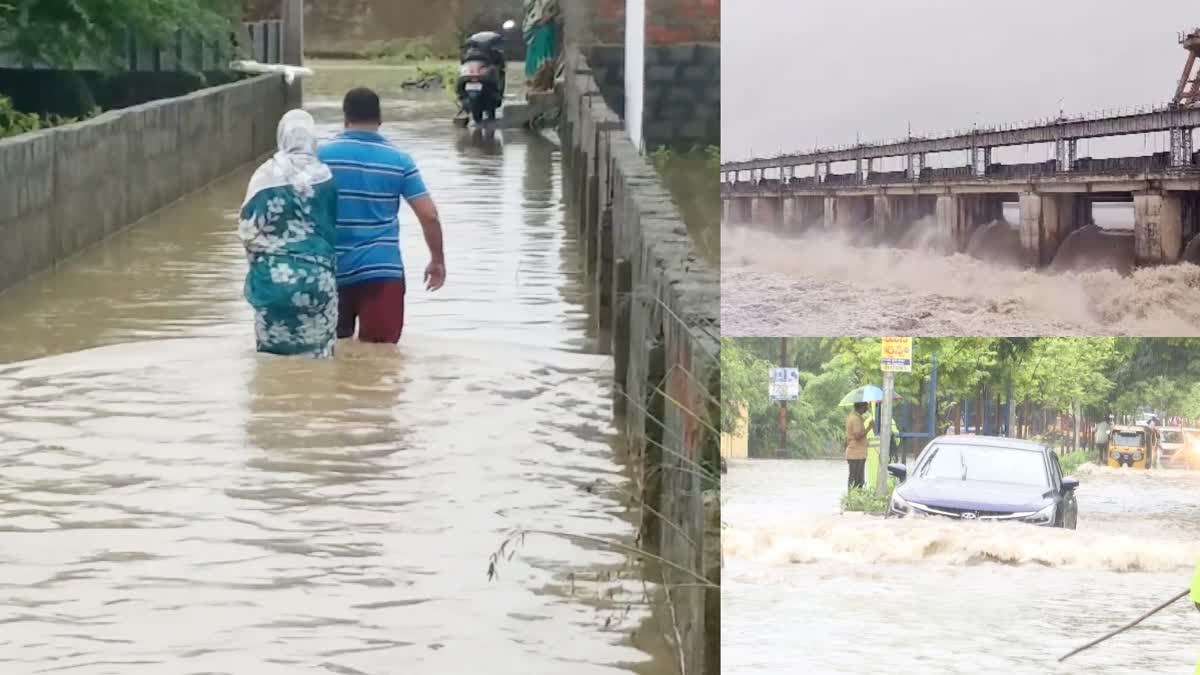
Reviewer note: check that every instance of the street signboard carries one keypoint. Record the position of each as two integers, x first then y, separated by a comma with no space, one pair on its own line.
785,384
896,355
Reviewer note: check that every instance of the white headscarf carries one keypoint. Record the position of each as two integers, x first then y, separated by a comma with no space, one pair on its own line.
295,163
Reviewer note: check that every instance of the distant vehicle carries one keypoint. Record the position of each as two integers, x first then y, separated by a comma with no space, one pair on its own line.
986,478
1179,447
482,75
1133,446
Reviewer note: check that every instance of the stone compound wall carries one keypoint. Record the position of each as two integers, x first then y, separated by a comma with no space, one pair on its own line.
349,26
660,302
64,189
682,102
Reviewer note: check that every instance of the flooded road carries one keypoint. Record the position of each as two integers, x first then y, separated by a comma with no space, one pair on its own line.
808,590
825,285
171,501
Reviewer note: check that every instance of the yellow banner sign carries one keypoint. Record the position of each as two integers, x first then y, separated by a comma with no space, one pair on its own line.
896,355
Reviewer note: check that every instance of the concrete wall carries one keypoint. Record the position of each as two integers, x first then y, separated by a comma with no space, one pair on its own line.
349,26
64,189
660,303
681,99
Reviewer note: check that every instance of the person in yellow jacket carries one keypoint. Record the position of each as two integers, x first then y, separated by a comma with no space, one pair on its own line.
873,446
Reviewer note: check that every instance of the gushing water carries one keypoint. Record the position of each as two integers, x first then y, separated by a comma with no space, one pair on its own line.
806,589
822,284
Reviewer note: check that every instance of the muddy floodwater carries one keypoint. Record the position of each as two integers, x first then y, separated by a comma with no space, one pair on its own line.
808,590
171,501
825,285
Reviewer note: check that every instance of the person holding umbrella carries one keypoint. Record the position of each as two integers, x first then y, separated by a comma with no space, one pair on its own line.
859,432
856,444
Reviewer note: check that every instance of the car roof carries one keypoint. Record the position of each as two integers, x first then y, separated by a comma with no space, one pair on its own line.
991,441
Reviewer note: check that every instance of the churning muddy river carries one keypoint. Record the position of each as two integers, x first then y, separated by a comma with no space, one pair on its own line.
171,501
824,284
808,590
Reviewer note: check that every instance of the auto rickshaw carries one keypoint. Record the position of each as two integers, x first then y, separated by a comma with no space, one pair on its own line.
1133,446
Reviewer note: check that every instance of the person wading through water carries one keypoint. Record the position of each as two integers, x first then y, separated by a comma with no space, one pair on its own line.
372,178
287,227
856,444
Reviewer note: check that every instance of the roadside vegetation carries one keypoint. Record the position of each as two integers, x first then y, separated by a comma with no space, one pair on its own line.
1055,381
864,500
62,35
1072,461
690,177
13,121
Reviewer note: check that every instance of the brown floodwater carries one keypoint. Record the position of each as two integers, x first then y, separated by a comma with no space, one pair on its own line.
172,501
937,597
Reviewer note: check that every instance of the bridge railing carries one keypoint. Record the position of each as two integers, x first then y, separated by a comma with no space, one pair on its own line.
261,41
1017,125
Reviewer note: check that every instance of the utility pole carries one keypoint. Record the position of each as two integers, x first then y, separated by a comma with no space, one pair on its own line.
885,433
783,451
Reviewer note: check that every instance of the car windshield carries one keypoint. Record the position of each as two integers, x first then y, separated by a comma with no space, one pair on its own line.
1172,437
951,461
1127,439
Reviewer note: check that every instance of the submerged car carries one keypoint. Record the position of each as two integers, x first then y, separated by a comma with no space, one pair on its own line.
986,478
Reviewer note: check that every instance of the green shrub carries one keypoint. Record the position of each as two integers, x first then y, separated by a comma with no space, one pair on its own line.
864,499
405,50
1072,461
14,122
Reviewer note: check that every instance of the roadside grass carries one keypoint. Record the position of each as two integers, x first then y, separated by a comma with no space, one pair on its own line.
864,500
1072,461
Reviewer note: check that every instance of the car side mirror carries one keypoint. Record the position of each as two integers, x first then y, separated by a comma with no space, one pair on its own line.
900,471
1069,484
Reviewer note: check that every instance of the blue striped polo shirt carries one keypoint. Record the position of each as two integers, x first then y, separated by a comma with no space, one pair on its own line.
372,176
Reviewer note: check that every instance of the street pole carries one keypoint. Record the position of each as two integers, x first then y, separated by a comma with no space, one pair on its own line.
885,433
782,452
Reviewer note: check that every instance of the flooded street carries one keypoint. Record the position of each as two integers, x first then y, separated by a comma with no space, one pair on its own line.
824,285
172,501
936,596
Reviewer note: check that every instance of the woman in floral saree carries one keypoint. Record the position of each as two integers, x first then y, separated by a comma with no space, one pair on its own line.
287,226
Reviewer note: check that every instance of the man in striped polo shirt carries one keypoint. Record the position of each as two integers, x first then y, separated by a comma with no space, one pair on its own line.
373,177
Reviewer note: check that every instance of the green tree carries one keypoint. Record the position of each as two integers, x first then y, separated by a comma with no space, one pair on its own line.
64,32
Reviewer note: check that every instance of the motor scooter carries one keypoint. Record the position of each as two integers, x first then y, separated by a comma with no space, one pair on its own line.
482,76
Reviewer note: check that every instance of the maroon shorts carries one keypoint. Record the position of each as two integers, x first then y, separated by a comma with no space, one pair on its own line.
378,308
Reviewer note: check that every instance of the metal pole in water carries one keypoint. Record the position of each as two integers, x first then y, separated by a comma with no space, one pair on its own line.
885,433
1124,628
782,452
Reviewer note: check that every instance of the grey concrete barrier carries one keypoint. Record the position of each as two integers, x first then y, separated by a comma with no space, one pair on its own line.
64,189
659,301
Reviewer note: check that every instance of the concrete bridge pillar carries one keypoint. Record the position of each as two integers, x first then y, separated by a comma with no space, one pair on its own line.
829,214
885,214
850,212
1046,220
801,213
765,212
1157,228
726,211
949,222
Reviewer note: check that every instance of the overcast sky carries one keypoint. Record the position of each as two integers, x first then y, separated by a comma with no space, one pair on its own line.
799,73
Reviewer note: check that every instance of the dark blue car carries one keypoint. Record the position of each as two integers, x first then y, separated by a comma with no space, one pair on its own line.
986,478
